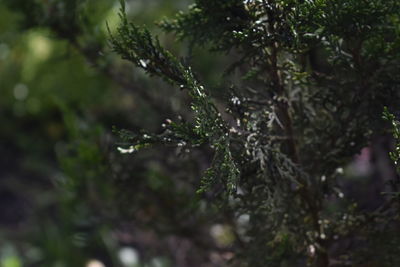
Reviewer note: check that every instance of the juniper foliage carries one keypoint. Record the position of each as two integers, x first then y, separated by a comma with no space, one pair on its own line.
316,75
395,154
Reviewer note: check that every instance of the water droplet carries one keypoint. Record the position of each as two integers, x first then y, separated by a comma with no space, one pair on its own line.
144,63
235,100
131,149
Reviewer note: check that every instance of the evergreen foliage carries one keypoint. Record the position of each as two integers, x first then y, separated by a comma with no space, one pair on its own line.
394,155
317,74
261,174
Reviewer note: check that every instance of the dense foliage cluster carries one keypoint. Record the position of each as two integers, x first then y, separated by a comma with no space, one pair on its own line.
261,168
316,75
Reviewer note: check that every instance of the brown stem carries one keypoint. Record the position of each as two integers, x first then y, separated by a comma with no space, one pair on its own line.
306,193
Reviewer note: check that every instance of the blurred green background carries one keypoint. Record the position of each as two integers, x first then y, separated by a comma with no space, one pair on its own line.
67,198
